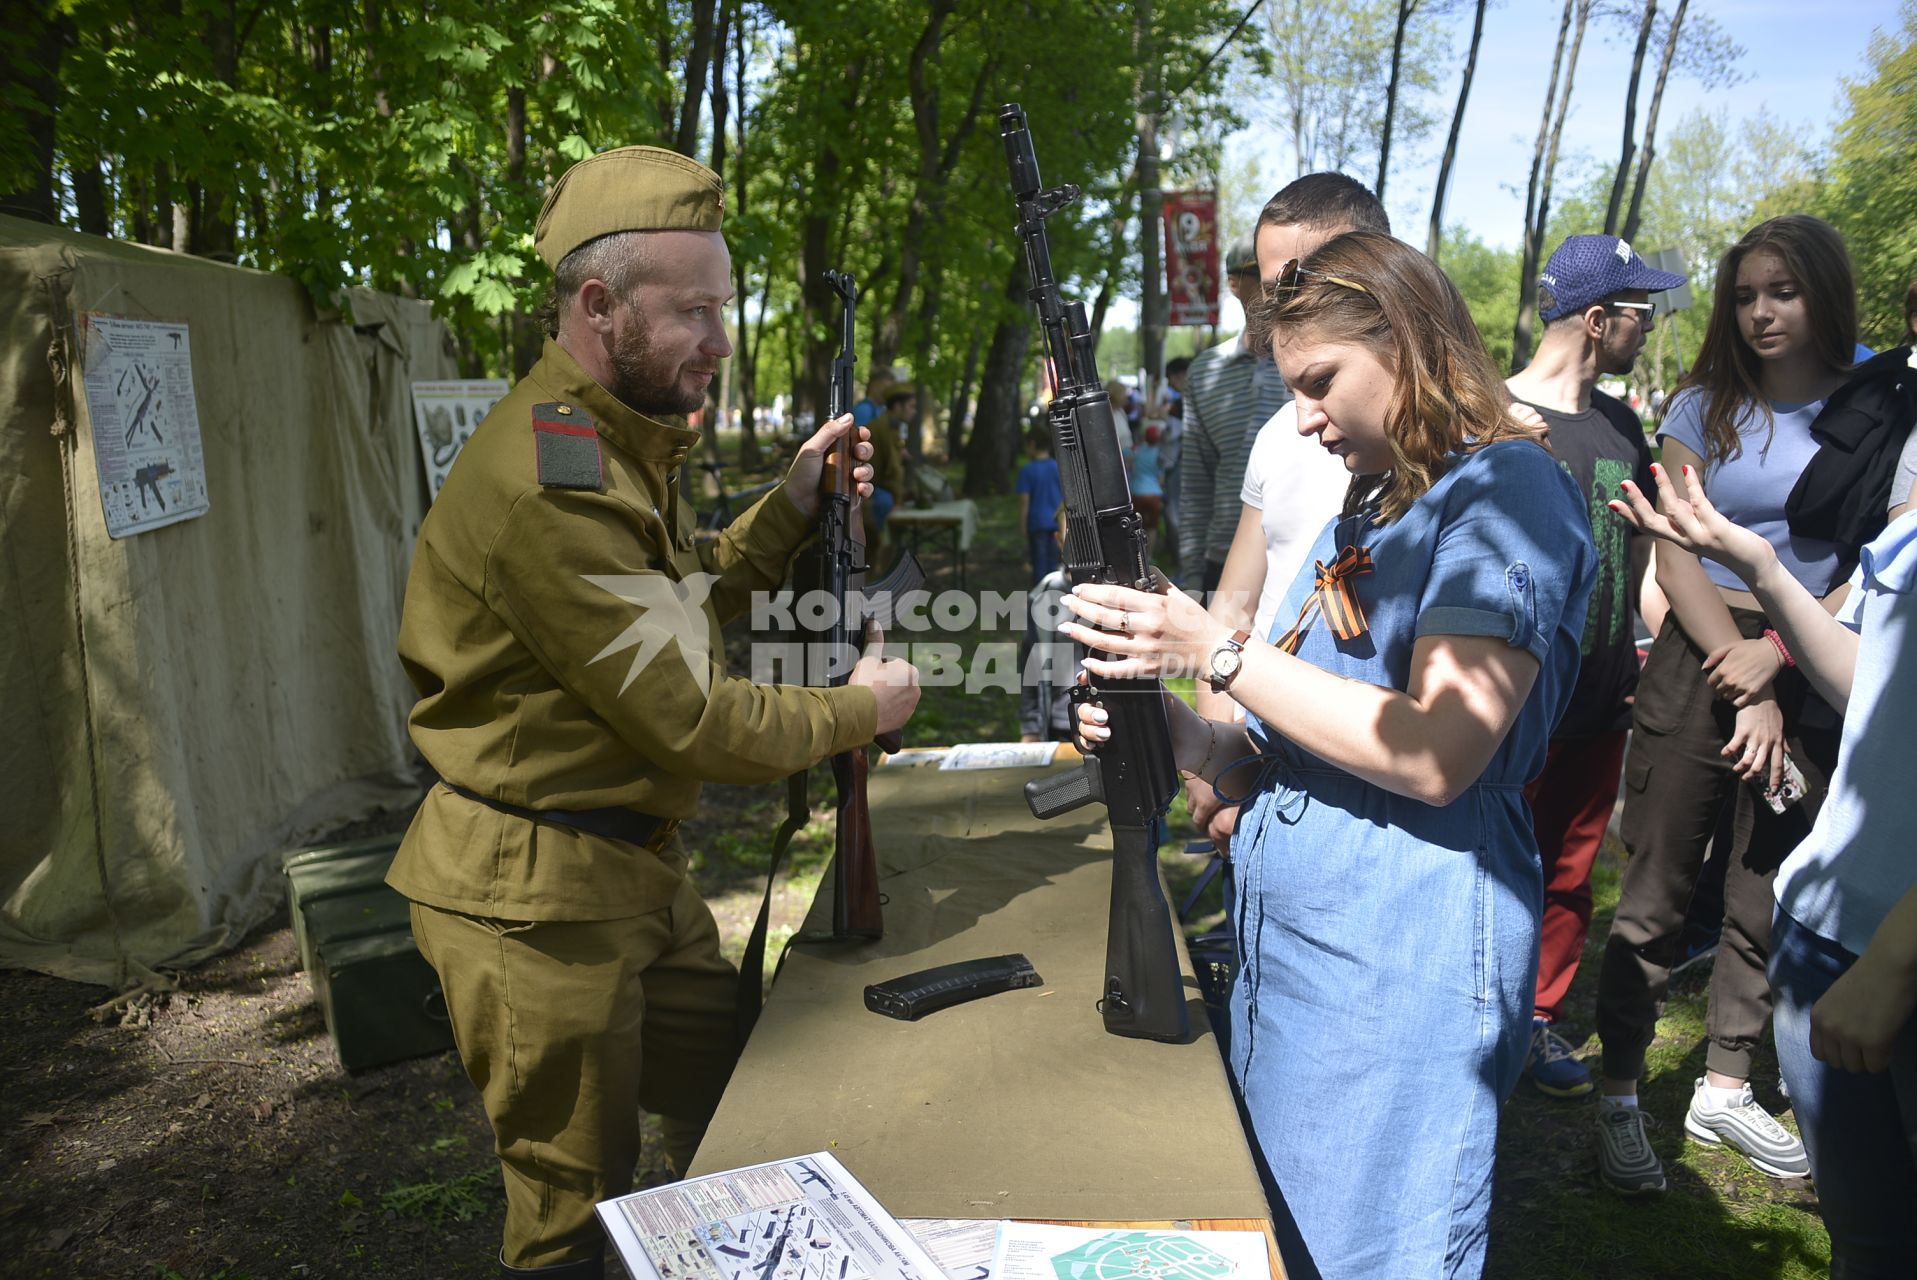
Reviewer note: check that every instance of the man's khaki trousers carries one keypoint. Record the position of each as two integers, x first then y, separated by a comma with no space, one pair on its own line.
568,1029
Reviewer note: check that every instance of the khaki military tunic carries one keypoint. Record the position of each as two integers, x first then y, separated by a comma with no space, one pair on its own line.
566,646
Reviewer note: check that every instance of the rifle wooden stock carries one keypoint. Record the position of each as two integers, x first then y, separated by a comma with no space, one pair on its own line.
856,912
840,566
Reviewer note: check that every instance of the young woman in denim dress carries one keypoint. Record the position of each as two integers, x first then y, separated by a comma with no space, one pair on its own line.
1389,886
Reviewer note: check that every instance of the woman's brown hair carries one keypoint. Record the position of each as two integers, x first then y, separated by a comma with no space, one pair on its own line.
1446,396
1728,374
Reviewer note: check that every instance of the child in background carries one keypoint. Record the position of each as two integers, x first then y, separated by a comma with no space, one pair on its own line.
1048,660
1148,491
1040,498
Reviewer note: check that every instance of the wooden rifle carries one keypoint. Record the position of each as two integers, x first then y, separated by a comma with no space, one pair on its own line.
839,569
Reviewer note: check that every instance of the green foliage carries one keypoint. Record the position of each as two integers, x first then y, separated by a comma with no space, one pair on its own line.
1488,279
1330,65
1873,181
460,1199
408,148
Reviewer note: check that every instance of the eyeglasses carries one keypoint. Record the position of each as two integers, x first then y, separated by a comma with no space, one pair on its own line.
1646,311
1289,275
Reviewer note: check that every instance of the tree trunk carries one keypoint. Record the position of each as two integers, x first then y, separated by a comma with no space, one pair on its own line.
1436,234
1649,151
322,73
696,63
1527,283
662,101
962,401
1557,129
214,233
746,362
1630,120
993,448
1406,8
32,63
819,248
929,299
922,90
158,208
1114,265
526,336
721,102
89,199
516,134
370,22
1154,307
816,257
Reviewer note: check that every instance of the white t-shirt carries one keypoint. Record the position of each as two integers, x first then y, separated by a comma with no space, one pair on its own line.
1297,489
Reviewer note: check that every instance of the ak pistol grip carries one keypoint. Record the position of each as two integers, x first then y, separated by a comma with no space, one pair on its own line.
1049,797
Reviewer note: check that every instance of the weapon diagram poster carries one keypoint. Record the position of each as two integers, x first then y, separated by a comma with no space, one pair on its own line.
146,422
805,1218
445,415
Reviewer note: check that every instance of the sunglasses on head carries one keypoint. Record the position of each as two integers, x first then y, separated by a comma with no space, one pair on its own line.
1291,274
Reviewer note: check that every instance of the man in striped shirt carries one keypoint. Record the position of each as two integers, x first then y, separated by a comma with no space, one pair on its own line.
1230,392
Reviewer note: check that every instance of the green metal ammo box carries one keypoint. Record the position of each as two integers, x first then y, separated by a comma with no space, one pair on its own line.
381,999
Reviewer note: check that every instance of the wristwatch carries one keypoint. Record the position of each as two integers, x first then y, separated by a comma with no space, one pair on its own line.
1224,664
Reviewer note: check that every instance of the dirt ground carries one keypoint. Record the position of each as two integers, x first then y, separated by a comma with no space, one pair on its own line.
211,1134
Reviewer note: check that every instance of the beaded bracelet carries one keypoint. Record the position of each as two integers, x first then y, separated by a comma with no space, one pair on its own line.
1782,652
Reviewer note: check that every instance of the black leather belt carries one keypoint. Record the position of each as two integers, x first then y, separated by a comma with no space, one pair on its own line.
625,825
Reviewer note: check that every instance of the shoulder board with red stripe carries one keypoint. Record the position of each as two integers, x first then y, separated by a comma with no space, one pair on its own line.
567,448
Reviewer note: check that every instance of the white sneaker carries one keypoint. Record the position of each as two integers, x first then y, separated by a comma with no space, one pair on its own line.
1751,1130
1625,1159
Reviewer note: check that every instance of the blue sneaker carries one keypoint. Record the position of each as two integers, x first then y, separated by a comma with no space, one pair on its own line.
1551,1066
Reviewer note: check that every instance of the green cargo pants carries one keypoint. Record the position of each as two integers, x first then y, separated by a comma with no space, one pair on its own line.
568,1029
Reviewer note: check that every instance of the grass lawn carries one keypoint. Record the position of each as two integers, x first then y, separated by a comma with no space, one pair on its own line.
1551,1218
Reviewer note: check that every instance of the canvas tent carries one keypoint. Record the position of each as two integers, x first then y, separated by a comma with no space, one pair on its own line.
180,704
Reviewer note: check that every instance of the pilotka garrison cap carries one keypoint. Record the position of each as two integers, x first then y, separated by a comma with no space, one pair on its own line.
627,189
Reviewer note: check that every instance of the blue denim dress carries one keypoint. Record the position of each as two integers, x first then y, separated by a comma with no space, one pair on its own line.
1390,948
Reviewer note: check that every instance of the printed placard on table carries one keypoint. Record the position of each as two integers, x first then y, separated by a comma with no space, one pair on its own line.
446,414
146,422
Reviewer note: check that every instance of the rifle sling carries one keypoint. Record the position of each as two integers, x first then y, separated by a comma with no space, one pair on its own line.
752,964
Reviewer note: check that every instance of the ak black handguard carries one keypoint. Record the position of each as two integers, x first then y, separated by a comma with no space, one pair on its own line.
929,990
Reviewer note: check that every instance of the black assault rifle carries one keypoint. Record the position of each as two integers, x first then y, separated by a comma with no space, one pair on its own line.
840,566
1133,774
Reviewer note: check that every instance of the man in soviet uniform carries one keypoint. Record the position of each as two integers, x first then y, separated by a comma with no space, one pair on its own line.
562,629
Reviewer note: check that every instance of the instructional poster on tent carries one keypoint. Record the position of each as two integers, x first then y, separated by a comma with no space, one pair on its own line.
146,423
446,414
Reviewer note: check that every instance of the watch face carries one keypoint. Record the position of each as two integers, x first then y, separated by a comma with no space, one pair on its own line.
1224,664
